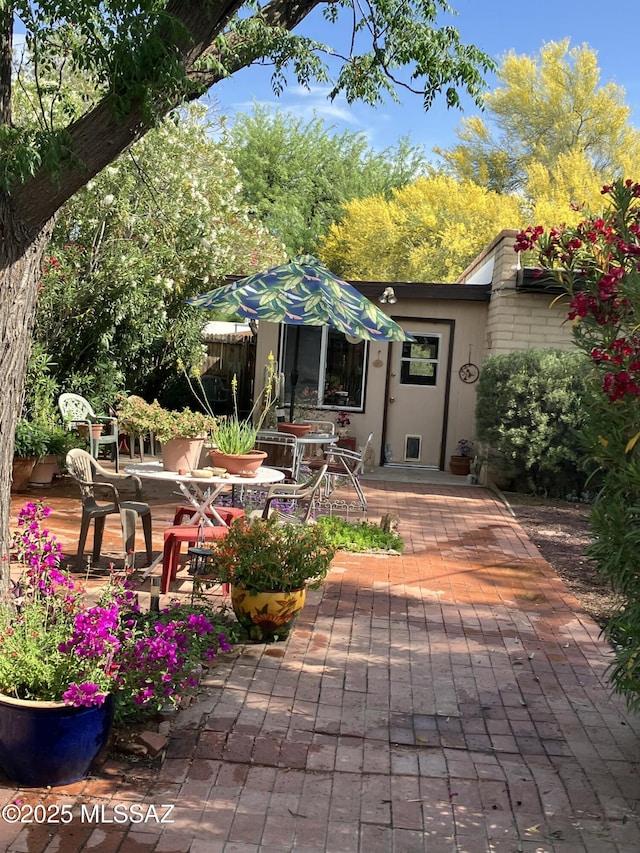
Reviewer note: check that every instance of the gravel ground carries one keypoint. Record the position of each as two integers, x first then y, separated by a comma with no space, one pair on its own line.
561,532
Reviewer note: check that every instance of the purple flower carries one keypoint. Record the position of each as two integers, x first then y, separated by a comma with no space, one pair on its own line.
85,695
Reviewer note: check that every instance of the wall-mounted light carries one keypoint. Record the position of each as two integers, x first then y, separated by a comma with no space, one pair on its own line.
388,295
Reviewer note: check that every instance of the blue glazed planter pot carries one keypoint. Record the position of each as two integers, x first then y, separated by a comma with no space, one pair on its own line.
50,743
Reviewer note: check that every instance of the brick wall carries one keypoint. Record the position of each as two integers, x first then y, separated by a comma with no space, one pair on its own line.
517,320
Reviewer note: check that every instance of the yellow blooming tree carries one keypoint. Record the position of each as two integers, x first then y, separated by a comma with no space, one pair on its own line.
428,231
545,107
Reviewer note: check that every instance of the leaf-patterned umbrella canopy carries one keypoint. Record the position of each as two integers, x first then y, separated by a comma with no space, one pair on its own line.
304,292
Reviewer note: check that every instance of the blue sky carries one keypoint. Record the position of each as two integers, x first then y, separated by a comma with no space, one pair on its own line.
496,26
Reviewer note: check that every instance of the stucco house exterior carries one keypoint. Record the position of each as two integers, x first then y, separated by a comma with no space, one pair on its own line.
418,399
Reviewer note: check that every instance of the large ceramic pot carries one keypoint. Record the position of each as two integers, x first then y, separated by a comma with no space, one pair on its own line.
294,429
22,470
50,743
240,463
44,471
181,454
267,616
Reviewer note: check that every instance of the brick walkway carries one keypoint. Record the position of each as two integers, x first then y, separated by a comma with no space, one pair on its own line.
452,699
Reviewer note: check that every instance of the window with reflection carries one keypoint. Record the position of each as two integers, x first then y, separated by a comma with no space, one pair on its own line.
419,360
330,370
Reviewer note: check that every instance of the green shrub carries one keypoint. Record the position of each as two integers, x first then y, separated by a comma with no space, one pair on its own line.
358,536
529,414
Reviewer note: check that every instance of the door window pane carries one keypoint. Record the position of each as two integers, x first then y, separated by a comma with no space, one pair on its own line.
305,362
419,360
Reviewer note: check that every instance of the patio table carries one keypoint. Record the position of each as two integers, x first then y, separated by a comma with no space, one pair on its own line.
311,439
201,492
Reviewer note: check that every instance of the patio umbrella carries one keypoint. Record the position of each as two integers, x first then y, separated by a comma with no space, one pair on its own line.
303,292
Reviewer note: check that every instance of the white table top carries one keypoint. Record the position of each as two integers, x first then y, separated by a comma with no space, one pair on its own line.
155,471
317,438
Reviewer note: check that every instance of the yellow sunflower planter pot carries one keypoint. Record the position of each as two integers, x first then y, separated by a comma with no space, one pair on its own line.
267,616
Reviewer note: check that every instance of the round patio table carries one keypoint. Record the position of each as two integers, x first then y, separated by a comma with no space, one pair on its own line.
201,492
310,439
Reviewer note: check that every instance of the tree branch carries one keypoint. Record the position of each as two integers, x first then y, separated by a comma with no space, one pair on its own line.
98,137
6,58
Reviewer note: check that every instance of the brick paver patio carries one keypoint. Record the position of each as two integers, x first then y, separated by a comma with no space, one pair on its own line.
450,699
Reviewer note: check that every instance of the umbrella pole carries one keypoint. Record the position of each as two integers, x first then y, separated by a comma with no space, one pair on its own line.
294,374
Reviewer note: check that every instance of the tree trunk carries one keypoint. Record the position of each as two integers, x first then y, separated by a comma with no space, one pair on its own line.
21,254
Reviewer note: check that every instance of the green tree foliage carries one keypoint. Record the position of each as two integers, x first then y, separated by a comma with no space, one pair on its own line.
428,231
296,175
163,222
546,108
529,413
139,61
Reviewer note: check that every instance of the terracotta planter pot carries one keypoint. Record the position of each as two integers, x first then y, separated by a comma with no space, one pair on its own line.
181,454
238,463
267,616
22,470
96,430
460,465
294,429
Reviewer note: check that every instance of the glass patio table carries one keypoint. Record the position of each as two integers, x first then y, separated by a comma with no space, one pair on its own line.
303,442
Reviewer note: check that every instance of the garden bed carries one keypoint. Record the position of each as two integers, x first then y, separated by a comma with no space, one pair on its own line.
560,530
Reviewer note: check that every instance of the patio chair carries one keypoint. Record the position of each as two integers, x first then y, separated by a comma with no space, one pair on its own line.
281,449
77,412
84,469
296,499
184,513
345,467
320,426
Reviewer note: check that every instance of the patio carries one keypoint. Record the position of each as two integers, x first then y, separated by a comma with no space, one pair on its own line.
450,699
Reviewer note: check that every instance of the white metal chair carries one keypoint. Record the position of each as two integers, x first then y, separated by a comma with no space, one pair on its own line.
295,500
320,426
281,449
84,469
345,467
77,411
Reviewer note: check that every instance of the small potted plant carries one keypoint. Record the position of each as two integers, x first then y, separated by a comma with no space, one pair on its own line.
69,662
269,566
182,433
460,461
343,421
304,412
59,442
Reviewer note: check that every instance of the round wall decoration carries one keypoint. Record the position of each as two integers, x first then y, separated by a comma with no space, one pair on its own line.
469,373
